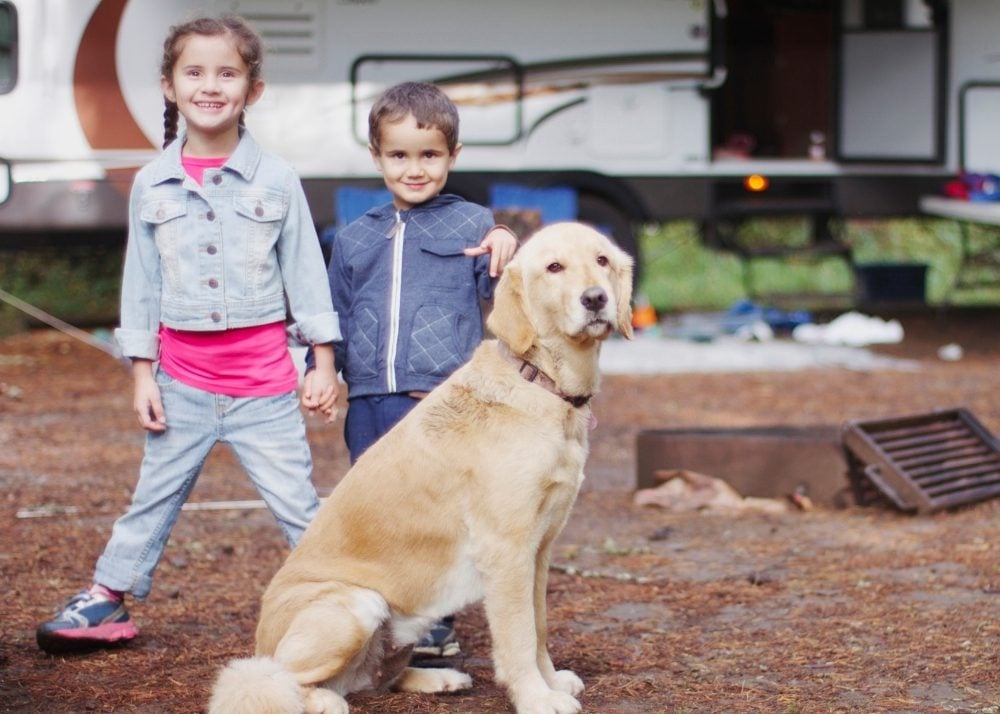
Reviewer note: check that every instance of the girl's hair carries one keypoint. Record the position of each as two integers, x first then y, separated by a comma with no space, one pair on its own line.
248,44
429,106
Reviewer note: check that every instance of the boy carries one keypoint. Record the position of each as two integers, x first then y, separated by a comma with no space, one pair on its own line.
407,279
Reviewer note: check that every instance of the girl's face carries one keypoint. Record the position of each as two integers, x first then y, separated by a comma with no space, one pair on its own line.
414,162
211,86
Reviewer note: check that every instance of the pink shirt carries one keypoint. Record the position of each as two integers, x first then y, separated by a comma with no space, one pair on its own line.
196,165
243,362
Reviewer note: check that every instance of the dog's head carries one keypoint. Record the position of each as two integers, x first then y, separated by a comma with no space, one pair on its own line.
568,280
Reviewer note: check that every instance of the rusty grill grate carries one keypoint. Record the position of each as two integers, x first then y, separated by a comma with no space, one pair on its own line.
925,462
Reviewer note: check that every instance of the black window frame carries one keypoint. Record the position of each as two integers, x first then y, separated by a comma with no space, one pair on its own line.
7,83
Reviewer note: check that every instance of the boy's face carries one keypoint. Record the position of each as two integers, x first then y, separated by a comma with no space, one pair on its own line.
414,162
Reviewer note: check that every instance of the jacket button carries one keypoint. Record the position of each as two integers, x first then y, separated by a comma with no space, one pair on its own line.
213,283
216,317
211,250
217,179
259,211
210,215
160,214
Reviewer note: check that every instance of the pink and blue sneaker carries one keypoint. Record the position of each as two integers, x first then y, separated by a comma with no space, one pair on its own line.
91,619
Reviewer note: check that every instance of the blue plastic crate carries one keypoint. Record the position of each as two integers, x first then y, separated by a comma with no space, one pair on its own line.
554,203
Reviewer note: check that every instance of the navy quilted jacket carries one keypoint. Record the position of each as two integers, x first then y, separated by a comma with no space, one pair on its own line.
408,299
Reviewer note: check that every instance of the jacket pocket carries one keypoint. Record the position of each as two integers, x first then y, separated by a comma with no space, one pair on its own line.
258,219
434,348
159,211
446,264
259,209
167,216
444,247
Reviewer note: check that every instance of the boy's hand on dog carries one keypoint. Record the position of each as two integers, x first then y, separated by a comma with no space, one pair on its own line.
501,243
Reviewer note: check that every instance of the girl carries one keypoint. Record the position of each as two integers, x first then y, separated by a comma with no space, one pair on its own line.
220,240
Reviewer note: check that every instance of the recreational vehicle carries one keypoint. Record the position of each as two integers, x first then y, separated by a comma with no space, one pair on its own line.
648,110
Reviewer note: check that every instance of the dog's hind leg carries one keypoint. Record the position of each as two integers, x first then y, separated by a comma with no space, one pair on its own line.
432,680
327,644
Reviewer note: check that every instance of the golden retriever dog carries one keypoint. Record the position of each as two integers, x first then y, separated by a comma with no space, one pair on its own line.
460,502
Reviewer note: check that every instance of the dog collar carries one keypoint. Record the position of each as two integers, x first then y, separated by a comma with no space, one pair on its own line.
533,374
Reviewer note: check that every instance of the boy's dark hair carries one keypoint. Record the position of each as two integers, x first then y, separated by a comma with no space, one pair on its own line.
248,44
429,106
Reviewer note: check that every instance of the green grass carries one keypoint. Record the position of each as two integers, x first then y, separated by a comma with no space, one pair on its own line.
680,273
79,285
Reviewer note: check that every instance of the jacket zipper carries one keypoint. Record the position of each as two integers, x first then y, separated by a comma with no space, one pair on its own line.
394,302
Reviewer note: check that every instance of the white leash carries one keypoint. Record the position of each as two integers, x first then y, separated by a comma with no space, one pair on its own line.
53,321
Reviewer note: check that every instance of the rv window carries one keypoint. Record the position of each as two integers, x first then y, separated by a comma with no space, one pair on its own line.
8,46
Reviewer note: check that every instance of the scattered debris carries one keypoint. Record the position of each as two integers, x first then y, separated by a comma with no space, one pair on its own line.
758,578
223,505
612,548
800,499
852,329
684,490
950,352
11,391
47,510
621,576
662,533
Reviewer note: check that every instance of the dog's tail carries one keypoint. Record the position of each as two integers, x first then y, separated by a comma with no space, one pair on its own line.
255,686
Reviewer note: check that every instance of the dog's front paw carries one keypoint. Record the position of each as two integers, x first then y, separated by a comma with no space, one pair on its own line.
552,702
566,681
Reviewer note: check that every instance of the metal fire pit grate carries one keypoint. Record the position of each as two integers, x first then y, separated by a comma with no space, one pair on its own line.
925,462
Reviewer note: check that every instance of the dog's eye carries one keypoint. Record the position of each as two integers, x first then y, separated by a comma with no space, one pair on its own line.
554,267
602,260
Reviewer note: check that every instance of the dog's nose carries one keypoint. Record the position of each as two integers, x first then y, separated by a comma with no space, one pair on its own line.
594,299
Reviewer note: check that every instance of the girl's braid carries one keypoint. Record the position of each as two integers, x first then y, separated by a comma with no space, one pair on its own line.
170,116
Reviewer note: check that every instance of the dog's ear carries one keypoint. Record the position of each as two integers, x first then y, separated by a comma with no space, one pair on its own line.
623,287
508,320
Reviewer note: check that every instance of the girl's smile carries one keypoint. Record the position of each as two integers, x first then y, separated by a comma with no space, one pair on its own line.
211,86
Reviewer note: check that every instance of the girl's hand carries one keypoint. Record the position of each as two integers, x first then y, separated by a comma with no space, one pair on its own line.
325,388
146,401
501,243
308,402
320,386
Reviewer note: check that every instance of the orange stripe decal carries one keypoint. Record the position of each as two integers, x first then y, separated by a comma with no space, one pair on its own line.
106,120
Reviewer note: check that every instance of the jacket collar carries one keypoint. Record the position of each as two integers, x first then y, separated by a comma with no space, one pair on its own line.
243,161
389,211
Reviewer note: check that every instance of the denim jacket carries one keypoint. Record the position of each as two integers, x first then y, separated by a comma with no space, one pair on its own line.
408,298
234,252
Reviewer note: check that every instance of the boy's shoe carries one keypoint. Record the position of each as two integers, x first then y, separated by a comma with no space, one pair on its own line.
439,642
89,620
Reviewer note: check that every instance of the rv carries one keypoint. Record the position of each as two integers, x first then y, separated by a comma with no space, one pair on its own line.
649,110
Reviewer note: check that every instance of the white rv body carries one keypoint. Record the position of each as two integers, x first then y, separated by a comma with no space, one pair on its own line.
632,103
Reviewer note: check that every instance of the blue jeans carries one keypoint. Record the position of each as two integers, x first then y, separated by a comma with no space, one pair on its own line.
368,418
268,436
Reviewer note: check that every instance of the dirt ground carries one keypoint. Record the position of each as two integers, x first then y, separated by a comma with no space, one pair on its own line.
854,610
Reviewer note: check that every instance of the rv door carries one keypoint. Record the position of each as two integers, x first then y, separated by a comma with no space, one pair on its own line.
891,83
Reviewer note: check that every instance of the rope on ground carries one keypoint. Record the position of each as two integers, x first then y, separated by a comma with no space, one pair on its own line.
65,327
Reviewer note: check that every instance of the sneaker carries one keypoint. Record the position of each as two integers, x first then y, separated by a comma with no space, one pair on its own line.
89,620
439,642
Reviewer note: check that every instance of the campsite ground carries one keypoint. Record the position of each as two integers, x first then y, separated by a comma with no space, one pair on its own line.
852,610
